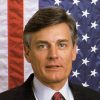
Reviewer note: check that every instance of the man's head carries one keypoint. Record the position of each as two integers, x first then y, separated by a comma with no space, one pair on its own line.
48,17
50,45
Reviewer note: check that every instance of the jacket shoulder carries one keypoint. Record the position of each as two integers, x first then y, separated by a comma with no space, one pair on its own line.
23,92
84,93
11,94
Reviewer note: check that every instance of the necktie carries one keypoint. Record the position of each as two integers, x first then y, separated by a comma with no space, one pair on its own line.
58,96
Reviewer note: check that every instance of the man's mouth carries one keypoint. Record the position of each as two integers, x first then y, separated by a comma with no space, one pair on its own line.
53,66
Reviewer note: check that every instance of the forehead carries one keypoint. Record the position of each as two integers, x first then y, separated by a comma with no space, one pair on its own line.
53,33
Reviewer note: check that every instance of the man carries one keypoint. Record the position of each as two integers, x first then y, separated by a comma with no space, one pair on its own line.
50,42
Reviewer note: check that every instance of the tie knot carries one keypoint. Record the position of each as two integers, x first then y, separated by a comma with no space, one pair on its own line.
58,96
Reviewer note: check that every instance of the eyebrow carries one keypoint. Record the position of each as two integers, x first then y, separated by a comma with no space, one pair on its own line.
46,42
41,41
62,40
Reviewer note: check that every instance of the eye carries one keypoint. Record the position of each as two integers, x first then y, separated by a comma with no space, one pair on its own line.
62,45
42,46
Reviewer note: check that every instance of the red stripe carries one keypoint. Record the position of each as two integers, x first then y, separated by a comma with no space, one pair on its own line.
15,46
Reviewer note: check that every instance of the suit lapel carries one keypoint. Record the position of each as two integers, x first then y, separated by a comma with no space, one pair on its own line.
27,86
77,95
27,89
29,95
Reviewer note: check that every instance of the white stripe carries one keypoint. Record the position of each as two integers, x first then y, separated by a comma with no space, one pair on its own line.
3,46
30,7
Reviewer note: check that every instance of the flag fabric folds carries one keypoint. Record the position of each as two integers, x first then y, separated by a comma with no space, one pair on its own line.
14,14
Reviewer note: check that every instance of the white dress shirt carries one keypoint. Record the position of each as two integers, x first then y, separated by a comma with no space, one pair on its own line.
43,92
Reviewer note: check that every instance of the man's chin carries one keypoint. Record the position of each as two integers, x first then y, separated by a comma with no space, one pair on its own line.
56,79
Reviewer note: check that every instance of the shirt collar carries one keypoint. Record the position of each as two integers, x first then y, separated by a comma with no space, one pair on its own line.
43,92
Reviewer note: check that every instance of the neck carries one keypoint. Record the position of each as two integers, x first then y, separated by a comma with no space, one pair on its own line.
55,85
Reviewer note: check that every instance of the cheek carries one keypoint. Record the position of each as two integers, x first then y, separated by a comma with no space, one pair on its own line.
67,59
37,61
68,64
67,56
37,66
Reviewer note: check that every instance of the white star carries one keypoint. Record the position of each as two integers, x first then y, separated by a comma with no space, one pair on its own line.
76,2
85,61
94,25
93,49
68,12
94,1
85,13
77,25
85,84
75,73
77,50
85,37
57,2
93,73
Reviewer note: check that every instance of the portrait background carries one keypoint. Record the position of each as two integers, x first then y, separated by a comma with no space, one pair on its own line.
14,14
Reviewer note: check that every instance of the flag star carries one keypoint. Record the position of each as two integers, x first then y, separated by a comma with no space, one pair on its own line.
85,84
77,25
94,25
85,13
57,2
85,61
68,12
93,73
94,1
85,37
77,50
76,2
75,73
94,48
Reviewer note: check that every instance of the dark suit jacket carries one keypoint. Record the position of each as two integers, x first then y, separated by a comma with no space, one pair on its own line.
24,92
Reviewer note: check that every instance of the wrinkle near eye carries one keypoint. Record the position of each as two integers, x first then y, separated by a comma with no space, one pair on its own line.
62,45
42,46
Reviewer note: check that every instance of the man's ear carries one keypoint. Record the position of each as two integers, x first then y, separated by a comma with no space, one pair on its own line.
27,53
74,53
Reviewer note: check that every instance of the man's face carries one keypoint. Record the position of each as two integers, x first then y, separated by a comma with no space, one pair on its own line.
51,54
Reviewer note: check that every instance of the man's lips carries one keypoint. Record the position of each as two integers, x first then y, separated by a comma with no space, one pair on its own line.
53,66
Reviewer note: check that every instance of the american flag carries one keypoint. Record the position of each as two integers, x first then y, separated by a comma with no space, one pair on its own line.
86,68
14,14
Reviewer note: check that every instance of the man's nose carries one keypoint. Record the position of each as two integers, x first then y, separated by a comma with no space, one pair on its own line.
52,53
